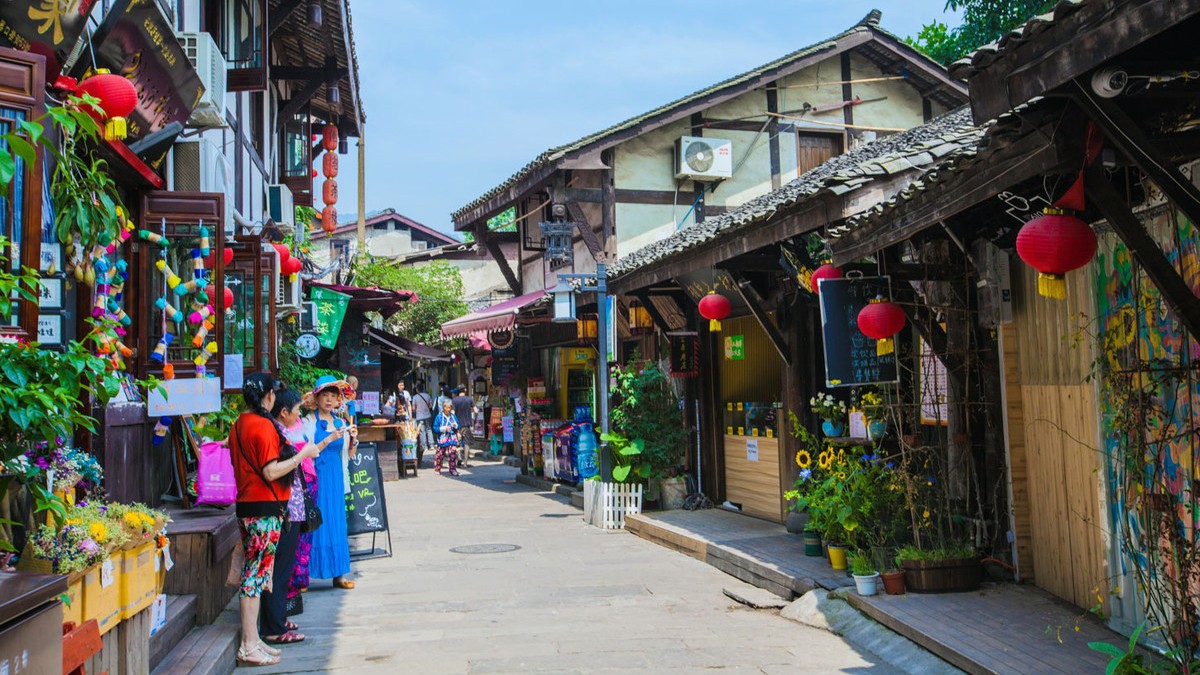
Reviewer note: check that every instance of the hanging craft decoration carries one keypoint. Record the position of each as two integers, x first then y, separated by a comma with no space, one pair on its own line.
329,219
329,192
714,307
117,98
880,320
159,355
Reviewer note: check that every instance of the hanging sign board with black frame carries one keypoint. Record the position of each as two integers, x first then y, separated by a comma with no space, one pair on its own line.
685,356
850,357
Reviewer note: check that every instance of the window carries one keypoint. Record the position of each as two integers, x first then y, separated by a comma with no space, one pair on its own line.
812,150
240,30
21,208
296,153
339,249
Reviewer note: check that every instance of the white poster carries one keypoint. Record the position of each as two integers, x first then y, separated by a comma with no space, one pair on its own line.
234,367
858,425
370,403
191,396
50,329
935,386
50,293
751,449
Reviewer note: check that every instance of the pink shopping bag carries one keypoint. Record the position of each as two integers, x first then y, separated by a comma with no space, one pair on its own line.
215,481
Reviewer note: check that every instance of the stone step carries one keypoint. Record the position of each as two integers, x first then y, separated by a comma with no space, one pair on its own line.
181,618
207,650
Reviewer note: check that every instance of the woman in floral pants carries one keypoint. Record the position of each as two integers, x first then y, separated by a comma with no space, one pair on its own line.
445,425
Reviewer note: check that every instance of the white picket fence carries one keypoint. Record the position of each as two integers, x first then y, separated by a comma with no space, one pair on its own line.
606,504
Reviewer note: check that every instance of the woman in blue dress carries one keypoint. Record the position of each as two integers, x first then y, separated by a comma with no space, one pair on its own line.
330,557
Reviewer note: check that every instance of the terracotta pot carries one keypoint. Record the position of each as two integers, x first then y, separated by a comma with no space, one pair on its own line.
893,582
943,576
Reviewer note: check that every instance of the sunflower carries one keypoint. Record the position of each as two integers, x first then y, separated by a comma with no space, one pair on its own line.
825,460
841,475
803,459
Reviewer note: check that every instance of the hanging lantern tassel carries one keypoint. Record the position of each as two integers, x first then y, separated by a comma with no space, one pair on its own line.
881,320
714,307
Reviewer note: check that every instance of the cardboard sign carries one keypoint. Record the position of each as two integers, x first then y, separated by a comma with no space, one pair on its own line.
193,396
752,450
234,370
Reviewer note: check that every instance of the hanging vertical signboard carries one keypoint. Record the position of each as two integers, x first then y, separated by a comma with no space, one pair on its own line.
935,385
850,357
685,356
331,311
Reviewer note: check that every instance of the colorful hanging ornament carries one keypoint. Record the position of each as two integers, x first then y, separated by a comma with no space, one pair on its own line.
202,333
329,192
191,286
714,307
1057,242
329,138
197,264
204,249
160,350
826,271
201,315
880,320
154,238
169,310
117,98
168,371
160,430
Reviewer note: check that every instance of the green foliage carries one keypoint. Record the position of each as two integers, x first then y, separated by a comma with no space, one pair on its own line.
439,289
984,22
505,221
951,552
861,563
215,426
852,498
297,373
628,459
647,408
84,194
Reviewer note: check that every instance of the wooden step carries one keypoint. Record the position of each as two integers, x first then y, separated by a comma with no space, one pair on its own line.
181,618
207,650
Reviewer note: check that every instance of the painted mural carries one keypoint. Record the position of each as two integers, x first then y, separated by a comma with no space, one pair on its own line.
1151,387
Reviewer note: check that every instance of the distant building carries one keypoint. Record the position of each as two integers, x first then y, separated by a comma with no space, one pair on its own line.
389,234
483,282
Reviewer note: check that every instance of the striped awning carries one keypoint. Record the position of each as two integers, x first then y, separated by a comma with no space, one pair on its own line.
500,316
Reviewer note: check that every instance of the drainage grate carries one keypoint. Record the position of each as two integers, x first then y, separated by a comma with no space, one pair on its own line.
475,549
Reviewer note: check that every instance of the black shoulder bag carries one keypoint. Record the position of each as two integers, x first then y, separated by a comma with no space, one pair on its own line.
312,513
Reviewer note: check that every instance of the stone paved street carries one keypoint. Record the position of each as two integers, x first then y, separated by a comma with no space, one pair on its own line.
570,599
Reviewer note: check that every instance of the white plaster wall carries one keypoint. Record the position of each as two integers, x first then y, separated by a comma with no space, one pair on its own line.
644,224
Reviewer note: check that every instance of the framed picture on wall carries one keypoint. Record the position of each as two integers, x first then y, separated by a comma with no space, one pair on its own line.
481,388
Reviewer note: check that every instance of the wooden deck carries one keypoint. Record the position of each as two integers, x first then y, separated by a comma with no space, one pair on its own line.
1003,628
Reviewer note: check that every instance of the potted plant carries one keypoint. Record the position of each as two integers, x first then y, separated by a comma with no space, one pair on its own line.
893,581
948,569
874,410
832,413
646,408
799,518
866,577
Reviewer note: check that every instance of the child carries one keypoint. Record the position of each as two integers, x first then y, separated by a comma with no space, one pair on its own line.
445,425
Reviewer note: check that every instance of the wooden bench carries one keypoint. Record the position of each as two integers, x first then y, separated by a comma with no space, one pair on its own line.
202,542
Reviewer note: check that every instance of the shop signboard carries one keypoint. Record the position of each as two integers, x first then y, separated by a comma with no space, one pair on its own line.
506,364
191,396
47,27
685,355
850,357
331,311
735,348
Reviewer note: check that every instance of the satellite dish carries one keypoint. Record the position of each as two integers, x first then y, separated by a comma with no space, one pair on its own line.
699,156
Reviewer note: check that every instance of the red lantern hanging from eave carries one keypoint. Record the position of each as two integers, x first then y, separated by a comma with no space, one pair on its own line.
329,192
329,138
291,267
881,320
1055,243
826,271
227,298
329,164
117,98
714,307
329,219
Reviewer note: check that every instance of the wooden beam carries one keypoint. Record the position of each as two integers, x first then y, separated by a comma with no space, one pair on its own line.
847,89
586,233
589,195
754,302
1029,156
1071,47
1175,291
277,17
773,137
503,197
652,310
300,99
493,247
1122,131
608,207
631,196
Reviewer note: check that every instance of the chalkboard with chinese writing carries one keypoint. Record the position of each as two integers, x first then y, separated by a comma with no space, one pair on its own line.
366,510
506,365
850,358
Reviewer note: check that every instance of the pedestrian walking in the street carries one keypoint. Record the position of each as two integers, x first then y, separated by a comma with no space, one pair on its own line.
401,402
464,409
264,479
273,623
446,395
423,410
334,439
446,426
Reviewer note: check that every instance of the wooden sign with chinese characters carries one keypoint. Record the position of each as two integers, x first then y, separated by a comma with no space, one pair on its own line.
192,396
685,355
46,27
850,356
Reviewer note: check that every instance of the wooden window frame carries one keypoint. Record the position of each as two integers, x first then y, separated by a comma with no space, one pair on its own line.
216,21
22,76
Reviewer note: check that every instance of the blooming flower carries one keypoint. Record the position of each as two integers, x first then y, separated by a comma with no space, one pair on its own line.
803,459
805,474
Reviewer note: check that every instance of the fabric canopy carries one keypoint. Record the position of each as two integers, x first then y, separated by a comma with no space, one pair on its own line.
373,299
501,316
405,348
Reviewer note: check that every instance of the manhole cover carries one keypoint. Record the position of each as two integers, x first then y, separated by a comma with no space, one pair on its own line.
485,548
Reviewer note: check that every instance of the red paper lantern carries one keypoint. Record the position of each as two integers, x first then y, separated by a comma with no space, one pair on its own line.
228,298
211,261
881,320
329,138
285,253
329,219
117,98
1055,243
329,164
826,271
314,173
714,307
329,192
291,266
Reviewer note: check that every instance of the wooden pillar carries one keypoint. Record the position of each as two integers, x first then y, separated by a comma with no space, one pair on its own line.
712,458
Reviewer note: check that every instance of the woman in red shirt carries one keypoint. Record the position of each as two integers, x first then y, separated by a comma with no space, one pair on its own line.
263,462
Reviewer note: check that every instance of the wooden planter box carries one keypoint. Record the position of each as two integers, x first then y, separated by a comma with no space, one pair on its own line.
942,576
137,579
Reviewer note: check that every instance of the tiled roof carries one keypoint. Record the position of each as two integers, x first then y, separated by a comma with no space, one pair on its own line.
986,55
868,24
942,139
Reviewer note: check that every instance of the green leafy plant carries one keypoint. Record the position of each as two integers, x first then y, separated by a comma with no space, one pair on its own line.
295,372
439,289
862,564
627,457
215,426
84,193
951,552
983,22
1129,661
646,408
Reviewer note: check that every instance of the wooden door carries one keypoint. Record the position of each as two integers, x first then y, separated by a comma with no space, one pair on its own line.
815,149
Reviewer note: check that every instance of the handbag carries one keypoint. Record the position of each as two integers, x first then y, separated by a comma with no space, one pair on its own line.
312,512
216,483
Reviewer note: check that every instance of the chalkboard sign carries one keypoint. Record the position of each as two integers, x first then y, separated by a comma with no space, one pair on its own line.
506,365
366,510
850,358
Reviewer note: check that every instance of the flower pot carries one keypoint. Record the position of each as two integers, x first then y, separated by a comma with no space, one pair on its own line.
837,556
673,491
893,582
876,429
942,576
812,544
867,584
832,429
796,521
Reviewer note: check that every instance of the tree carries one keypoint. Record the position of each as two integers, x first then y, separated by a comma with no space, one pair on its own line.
439,290
984,22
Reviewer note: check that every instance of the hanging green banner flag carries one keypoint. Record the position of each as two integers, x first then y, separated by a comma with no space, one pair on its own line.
331,311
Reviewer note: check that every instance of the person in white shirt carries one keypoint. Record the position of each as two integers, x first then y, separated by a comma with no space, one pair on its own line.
423,410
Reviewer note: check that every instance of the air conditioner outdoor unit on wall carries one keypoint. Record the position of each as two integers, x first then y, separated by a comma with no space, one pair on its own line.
287,293
210,66
280,206
704,159
308,317
198,165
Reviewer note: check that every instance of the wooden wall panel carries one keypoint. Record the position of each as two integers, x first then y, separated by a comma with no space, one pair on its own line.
1018,465
754,485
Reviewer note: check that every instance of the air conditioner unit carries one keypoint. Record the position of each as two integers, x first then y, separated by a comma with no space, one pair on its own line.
288,296
705,159
308,317
280,206
210,66
198,165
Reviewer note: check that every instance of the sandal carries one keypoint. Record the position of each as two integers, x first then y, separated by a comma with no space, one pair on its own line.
291,626
270,650
344,583
285,639
249,658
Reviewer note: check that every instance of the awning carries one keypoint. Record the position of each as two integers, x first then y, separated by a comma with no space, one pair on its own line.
407,349
501,316
373,299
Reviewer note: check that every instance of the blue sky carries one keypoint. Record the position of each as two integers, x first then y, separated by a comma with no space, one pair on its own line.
460,94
